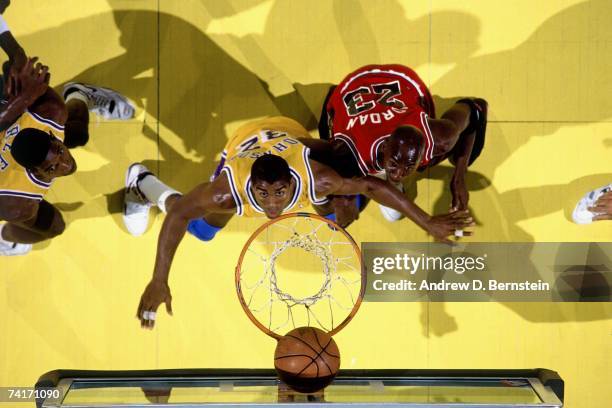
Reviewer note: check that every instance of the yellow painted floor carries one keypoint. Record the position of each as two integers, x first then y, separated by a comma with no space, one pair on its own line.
198,69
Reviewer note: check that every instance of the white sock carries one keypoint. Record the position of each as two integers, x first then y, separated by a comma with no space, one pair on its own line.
2,240
156,191
78,95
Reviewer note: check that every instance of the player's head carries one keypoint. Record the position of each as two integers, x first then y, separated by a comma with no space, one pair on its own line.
272,184
402,152
42,153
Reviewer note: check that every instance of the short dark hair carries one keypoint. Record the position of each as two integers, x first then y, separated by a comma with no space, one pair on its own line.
270,168
30,147
409,135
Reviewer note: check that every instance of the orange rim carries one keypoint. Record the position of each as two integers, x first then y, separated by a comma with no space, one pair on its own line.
266,225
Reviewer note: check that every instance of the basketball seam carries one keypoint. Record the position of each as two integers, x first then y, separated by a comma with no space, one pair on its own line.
314,332
324,348
311,358
318,354
301,340
292,355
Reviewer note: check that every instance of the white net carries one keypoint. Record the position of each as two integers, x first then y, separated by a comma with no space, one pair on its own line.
300,272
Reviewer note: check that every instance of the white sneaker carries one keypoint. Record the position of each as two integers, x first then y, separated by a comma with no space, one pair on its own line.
105,102
13,249
389,213
581,214
135,205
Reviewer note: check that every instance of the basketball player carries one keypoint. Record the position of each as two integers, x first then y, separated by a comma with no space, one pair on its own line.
381,121
596,205
265,171
37,130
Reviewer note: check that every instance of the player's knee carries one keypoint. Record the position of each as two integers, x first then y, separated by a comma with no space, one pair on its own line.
75,134
202,230
17,211
57,112
51,106
58,226
16,215
49,221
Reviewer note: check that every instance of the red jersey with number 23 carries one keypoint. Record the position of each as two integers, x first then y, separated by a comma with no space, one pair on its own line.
370,103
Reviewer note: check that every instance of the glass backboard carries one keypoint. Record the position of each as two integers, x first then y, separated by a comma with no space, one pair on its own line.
352,388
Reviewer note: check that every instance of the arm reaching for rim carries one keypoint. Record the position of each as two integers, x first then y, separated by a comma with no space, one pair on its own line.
205,199
328,182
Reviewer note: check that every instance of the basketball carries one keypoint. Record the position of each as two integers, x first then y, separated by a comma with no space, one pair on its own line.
307,359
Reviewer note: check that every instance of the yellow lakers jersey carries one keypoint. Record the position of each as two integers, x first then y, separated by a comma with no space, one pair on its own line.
15,180
278,136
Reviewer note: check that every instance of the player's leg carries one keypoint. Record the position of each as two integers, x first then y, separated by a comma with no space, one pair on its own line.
463,123
143,190
109,104
83,98
76,130
50,107
11,248
16,237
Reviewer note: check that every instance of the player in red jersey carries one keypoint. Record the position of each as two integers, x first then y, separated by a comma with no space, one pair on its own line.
381,121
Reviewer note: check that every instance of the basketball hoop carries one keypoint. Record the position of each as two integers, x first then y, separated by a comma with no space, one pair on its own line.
300,270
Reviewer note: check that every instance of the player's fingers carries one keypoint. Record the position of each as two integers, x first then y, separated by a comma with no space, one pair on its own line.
602,217
47,78
460,224
445,240
600,209
467,233
466,223
27,67
143,313
10,85
459,214
604,199
151,321
139,310
43,71
169,305
32,65
144,317
152,309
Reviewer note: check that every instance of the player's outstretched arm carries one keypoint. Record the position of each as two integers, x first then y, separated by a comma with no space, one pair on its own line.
328,182
205,199
9,44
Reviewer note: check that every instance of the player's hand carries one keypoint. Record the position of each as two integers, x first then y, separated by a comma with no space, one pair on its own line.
156,293
31,81
17,63
602,207
460,195
443,226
